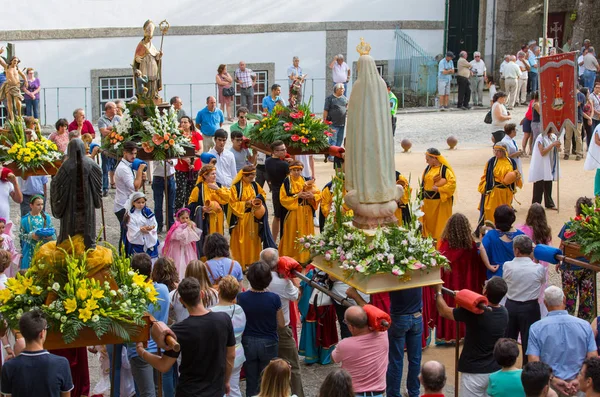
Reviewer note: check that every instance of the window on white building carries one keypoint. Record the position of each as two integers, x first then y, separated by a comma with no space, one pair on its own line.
113,88
261,90
3,114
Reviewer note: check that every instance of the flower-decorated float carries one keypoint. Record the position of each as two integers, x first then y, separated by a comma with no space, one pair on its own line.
298,128
90,297
155,129
28,156
371,252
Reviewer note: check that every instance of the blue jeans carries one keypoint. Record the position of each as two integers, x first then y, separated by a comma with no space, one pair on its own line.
116,362
589,78
338,135
259,352
108,164
32,107
533,77
158,190
169,380
406,330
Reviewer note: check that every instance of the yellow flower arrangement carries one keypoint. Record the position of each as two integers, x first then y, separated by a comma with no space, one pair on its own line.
72,301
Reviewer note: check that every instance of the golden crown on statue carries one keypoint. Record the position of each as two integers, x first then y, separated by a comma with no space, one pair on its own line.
363,48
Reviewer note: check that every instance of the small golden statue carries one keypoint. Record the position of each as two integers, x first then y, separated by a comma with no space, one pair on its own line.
363,48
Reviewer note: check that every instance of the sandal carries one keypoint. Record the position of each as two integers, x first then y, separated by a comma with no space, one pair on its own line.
112,186
552,208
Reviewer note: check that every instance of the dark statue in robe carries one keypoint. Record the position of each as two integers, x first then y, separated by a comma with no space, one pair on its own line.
76,192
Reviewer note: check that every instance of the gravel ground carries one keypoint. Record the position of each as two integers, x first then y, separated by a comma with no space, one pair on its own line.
424,129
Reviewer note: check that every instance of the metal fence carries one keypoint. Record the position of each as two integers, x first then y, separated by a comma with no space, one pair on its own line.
414,73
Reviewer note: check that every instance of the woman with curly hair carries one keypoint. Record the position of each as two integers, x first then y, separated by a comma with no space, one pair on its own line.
536,227
164,272
467,268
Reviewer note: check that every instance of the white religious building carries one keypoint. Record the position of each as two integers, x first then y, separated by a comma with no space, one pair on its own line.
82,50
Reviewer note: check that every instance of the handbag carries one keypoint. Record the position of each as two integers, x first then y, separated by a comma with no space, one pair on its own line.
488,118
228,91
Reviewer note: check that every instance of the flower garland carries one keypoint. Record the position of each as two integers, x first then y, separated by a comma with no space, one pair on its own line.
393,249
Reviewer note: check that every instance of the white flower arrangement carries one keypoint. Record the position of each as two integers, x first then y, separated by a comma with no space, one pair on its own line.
398,250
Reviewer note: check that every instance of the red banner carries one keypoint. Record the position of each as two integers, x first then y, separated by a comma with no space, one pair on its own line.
558,91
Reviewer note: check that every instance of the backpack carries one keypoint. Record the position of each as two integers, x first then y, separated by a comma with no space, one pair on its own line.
218,279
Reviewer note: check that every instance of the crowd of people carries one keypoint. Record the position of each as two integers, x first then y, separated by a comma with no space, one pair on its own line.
200,274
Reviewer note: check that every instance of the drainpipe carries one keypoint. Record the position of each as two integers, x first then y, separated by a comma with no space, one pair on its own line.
494,39
446,14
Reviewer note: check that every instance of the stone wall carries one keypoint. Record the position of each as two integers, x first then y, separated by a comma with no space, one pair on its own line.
519,21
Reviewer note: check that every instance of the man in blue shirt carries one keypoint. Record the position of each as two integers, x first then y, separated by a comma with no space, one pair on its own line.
533,72
208,120
561,340
445,72
407,327
34,185
269,102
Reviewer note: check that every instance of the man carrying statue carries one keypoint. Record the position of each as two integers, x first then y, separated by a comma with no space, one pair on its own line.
11,89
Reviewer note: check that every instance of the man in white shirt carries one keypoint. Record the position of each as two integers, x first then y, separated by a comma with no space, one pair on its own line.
522,83
502,66
127,180
294,73
524,279
340,72
512,73
288,292
226,170
581,69
590,68
158,191
478,78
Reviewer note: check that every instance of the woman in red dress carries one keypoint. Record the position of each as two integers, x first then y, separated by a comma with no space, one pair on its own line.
467,270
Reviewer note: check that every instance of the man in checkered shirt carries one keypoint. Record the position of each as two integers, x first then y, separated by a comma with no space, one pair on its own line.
246,78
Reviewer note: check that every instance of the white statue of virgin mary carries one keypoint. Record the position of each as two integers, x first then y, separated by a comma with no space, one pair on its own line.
369,161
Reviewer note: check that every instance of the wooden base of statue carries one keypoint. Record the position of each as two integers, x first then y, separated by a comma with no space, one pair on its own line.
87,337
47,169
381,282
261,147
140,111
142,155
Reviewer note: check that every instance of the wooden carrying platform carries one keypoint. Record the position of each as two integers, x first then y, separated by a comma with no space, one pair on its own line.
261,147
142,155
87,337
49,169
381,282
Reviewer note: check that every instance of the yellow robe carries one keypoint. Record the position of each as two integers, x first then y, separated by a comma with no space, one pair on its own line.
245,241
327,202
298,222
437,211
215,219
402,181
501,194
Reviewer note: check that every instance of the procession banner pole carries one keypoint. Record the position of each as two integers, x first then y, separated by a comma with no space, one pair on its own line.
102,208
166,198
456,356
